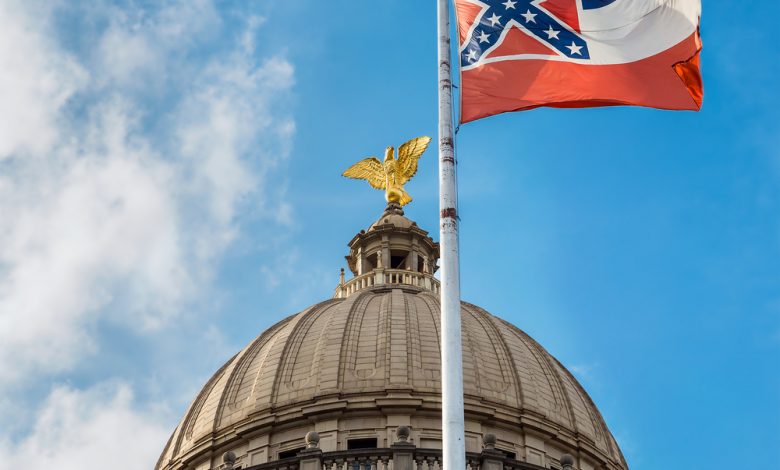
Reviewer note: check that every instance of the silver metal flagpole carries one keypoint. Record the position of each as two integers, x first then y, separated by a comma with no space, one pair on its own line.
453,446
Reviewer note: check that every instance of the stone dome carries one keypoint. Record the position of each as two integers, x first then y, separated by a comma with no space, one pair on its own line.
360,365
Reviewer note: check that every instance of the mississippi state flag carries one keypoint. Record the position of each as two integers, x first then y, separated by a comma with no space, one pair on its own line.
522,54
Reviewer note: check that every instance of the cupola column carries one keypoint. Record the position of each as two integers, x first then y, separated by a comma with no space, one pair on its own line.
414,262
386,252
360,261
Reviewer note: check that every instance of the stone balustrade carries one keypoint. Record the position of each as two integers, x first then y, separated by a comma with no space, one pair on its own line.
402,455
387,277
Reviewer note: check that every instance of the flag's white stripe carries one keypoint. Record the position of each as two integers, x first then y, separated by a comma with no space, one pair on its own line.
661,29
649,27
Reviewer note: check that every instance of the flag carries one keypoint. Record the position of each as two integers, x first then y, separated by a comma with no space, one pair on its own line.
522,54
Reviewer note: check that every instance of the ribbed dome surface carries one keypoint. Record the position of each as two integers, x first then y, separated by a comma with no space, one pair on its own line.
383,343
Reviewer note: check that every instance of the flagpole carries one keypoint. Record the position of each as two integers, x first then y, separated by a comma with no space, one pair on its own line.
453,440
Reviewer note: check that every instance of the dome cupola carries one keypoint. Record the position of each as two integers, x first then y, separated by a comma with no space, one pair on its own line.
393,251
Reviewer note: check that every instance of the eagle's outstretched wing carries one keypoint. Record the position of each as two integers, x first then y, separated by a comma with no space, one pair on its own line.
369,169
408,155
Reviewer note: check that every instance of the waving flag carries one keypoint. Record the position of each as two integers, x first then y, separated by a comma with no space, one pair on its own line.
523,54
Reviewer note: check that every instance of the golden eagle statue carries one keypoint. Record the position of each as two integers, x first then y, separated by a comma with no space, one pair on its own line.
392,174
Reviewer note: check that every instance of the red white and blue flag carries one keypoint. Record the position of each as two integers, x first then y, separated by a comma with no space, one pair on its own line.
523,54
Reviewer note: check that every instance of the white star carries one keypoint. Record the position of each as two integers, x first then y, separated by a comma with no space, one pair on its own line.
575,49
551,33
494,20
529,17
483,37
471,56
509,4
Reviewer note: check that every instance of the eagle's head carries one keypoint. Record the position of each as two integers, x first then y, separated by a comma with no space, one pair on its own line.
389,153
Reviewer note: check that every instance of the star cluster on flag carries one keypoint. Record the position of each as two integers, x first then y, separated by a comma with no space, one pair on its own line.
499,16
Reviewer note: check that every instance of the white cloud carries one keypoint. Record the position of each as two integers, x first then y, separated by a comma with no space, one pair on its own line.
589,375
124,168
583,371
219,126
89,429
35,84
137,47
102,226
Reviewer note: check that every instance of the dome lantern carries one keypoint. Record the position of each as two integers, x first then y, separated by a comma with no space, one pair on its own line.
393,251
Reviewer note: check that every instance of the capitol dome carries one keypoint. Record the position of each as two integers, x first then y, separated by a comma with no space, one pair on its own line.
359,366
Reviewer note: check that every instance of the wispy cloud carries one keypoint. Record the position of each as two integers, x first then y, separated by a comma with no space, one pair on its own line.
128,155
125,165
284,269
584,372
37,82
77,429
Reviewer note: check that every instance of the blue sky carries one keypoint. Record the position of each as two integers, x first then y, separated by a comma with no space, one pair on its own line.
169,187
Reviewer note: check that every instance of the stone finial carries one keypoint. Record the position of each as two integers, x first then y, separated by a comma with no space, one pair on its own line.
312,440
393,208
229,459
341,277
489,441
402,433
567,461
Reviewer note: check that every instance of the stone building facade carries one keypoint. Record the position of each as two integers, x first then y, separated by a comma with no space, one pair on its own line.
354,380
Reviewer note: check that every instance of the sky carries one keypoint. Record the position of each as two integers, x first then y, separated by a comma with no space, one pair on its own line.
169,188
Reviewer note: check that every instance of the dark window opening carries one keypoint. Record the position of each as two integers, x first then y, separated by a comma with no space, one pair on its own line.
368,264
511,455
365,443
286,454
397,262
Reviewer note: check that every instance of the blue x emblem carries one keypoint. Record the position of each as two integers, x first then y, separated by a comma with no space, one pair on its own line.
492,22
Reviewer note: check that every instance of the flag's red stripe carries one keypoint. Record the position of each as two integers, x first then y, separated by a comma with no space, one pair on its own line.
669,80
467,13
565,10
518,42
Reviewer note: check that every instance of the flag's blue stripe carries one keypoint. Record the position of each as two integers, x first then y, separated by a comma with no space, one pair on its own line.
595,4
